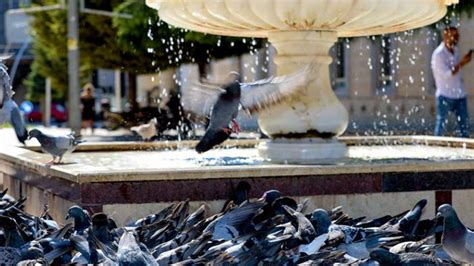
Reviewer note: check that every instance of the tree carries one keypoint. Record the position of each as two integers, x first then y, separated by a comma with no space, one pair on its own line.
160,45
143,44
464,6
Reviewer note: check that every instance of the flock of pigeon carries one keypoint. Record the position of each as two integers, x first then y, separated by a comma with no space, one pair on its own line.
272,230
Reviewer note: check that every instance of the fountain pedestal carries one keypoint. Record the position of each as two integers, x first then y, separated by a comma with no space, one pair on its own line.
305,128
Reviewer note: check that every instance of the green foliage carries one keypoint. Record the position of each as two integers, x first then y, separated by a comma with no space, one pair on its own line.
160,45
464,6
143,44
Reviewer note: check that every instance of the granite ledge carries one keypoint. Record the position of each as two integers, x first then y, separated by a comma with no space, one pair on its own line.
13,157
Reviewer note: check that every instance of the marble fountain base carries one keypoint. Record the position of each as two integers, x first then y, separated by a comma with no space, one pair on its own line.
129,180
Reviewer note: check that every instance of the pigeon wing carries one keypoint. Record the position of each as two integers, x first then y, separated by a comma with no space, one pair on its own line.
18,124
5,87
198,101
262,94
64,143
469,241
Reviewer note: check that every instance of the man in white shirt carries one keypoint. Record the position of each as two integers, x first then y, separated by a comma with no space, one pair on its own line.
450,94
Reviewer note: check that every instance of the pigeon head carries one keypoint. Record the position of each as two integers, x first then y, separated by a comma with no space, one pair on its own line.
446,211
233,89
34,133
244,186
451,220
321,221
271,195
100,219
80,216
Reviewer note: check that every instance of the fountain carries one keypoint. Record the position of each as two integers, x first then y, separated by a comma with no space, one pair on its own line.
305,129
130,180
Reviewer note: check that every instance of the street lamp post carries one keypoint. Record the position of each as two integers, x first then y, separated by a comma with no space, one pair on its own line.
74,114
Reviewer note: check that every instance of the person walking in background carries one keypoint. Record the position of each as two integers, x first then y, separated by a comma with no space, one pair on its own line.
88,106
450,94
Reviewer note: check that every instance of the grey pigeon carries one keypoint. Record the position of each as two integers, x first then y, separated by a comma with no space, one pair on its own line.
457,240
57,146
9,111
224,112
82,219
219,106
385,257
230,225
130,253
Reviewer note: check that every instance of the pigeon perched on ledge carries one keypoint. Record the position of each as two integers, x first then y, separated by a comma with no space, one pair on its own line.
218,106
9,111
57,146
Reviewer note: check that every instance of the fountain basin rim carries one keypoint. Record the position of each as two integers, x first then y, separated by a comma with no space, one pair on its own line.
250,143
203,16
13,157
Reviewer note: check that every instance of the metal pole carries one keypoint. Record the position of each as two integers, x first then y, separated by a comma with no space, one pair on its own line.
74,113
47,105
118,91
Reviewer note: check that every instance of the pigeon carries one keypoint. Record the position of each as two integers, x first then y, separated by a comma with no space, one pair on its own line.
57,146
385,257
82,219
147,131
321,221
224,111
9,111
238,195
101,228
457,240
409,222
409,246
230,225
219,106
130,252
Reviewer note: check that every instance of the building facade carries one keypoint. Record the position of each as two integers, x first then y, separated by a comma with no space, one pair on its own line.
385,82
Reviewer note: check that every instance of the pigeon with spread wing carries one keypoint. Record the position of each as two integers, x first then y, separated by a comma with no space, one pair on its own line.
9,111
218,107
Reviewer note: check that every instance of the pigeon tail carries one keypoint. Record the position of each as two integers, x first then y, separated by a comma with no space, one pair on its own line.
211,139
78,141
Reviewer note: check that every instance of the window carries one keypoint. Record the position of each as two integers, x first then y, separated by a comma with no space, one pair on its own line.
385,66
338,69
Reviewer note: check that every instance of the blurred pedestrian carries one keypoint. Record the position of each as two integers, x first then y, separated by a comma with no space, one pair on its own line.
446,64
88,106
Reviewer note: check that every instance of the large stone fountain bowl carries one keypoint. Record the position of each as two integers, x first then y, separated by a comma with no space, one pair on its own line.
257,18
302,32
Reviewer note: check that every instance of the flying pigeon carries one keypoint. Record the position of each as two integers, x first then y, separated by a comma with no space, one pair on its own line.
457,240
57,146
219,106
148,130
9,111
